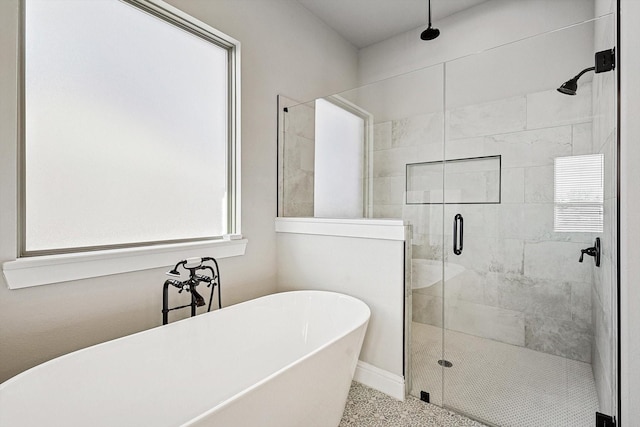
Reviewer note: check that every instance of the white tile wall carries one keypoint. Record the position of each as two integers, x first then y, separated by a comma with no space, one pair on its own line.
489,118
541,298
298,153
485,321
565,338
300,120
582,139
556,260
468,286
418,130
382,136
393,162
581,305
532,147
538,184
387,211
389,190
513,185
551,108
464,148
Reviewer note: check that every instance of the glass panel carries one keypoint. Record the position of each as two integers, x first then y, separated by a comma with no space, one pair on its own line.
323,149
408,127
404,123
467,181
296,158
529,329
401,122
95,114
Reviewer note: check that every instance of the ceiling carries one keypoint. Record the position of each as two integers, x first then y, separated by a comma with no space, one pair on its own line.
365,22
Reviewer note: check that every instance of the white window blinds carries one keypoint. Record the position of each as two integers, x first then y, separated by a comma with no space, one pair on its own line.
579,194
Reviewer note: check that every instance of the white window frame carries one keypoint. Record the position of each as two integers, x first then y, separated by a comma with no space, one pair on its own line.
40,268
574,210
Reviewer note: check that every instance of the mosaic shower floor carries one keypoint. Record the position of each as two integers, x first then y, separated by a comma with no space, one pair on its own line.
503,384
367,407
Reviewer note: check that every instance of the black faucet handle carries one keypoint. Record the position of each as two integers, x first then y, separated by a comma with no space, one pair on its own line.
593,251
175,283
202,278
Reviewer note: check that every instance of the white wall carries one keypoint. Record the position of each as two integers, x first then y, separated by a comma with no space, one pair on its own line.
285,50
344,264
490,24
339,257
629,208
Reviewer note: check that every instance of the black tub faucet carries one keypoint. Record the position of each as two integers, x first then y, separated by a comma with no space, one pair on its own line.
193,265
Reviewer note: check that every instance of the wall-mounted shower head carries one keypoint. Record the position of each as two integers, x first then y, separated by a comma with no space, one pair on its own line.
605,60
430,33
571,86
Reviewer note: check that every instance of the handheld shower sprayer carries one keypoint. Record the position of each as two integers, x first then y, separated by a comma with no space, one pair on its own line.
174,272
193,265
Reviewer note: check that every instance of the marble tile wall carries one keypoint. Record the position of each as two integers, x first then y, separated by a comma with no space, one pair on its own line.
521,281
298,153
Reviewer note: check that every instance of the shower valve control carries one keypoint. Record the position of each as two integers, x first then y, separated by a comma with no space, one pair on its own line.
593,251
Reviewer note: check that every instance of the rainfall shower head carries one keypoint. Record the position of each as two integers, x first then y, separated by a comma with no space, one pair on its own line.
571,86
430,33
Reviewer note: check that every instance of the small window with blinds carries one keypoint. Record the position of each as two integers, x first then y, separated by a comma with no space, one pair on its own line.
579,193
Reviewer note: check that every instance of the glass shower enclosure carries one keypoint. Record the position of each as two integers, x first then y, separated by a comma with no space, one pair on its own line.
510,190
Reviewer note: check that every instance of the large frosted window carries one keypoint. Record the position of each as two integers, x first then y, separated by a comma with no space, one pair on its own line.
126,136
579,193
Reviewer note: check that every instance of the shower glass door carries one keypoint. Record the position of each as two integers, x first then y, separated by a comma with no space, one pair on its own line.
507,184
528,187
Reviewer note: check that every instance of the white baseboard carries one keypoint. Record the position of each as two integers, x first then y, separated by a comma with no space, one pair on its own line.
381,380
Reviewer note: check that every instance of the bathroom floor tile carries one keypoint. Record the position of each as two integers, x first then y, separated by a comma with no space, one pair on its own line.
507,385
367,407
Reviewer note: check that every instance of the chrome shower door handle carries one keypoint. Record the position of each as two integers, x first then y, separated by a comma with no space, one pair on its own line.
458,234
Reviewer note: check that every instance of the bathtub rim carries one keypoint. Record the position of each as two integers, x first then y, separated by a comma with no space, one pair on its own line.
80,350
266,379
359,323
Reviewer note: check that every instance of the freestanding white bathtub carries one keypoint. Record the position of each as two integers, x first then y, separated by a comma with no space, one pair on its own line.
282,360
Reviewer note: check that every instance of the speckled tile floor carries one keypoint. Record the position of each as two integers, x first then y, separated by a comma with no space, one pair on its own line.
367,407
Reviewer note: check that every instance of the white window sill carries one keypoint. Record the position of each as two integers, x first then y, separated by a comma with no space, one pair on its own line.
44,270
